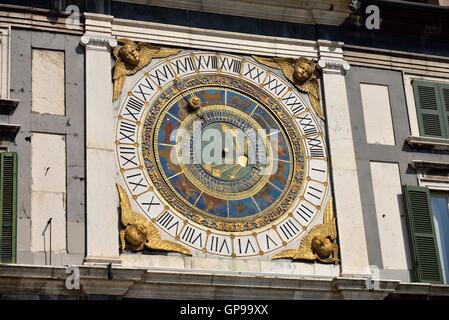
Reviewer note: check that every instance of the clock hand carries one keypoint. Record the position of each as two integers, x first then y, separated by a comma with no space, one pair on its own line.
242,160
235,171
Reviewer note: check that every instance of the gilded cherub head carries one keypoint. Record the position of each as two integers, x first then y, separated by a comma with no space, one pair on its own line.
323,246
130,53
304,69
132,57
135,234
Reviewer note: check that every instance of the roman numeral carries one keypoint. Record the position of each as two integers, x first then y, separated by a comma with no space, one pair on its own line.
289,229
162,74
275,85
304,212
230,65
151,203
316,147
218,244
293,102
127,131
128,154
307,125
166,221
254,73
269,240
133,108
192,235
314,192
209,63
137,182
183,65
245,247
144,89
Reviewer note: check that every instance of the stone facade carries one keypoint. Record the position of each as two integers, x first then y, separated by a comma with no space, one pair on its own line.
56,88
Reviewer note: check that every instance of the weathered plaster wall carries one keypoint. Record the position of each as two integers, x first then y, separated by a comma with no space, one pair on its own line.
379,239
69,126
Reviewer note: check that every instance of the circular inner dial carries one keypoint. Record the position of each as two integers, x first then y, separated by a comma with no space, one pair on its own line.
229,157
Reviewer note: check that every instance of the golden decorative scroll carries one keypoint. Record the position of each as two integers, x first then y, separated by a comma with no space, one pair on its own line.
140,232
302,72
132,57
319,244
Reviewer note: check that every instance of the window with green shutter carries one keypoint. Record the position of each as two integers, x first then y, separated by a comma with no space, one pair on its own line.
432,107
444,96
425,254
8,206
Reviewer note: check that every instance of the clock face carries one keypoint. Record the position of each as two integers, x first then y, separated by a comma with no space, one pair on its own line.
222,154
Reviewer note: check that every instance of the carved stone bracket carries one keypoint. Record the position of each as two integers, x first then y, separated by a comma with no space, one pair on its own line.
98,42
330,65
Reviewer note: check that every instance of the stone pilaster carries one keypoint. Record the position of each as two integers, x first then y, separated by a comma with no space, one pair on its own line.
351,232
101,198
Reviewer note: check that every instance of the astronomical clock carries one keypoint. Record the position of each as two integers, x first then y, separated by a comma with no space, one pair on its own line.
221,154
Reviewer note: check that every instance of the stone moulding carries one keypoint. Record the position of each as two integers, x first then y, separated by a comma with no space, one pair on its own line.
428,143
98,41
7,106
336,65
156,283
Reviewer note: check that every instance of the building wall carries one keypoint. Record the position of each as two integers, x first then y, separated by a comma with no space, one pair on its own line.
383,164
47,76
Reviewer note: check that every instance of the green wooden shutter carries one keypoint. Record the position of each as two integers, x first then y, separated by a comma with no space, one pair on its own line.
8,206
444,94
429,109
427,267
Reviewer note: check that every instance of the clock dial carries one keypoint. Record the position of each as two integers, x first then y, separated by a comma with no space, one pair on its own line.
226,169
222,154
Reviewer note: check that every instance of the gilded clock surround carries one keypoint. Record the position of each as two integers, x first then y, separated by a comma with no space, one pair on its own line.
236,239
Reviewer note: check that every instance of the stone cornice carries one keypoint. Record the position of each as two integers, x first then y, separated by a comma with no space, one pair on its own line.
331,57
422,164
156,283
212,40
428,143
38,19
7,106
410,63
98,32
327,12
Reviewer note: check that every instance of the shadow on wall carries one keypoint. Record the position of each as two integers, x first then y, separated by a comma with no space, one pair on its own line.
46,234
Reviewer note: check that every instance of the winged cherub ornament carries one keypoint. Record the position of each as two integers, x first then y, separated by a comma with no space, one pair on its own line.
140,232
131,57
319,244
302,72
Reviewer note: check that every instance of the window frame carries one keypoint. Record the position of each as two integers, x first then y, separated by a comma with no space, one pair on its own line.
411,102
5,35
444,267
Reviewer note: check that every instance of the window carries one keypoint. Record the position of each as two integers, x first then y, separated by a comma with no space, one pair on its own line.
4,62
8,201
432,108
440,210
422,234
